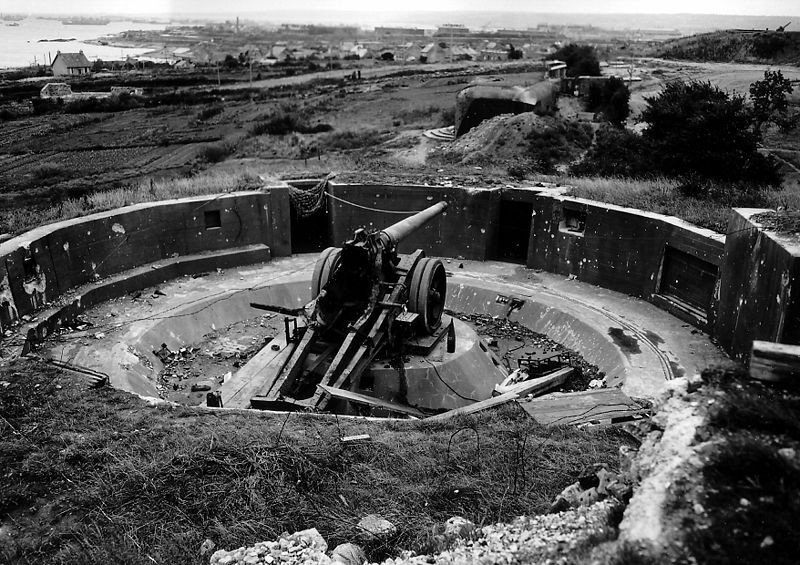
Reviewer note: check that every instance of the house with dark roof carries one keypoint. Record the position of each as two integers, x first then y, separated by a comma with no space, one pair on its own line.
71,64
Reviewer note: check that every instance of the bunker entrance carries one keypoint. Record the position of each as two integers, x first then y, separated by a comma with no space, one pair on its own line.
514,231
311,233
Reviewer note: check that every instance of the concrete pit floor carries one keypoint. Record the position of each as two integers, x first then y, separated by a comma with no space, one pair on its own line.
638,345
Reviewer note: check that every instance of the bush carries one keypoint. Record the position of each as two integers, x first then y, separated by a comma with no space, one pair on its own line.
610,98
46,105
47,171
283,124
557,144
352,139
6,115
697,129
216,152
616,152
210,112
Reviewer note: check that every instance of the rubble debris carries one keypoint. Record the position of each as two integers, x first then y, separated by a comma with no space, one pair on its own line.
202,386
590,488
547,538
458,527
349,554
305,547
377,526
207,547
513,341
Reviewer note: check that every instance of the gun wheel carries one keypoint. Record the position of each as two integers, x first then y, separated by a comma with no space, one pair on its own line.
323,268
427,293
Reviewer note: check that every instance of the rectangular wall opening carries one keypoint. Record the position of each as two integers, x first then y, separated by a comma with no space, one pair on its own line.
688,279
514,231
212,219
310,233
574,222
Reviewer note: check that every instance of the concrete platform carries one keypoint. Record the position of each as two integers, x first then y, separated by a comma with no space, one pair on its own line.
633,342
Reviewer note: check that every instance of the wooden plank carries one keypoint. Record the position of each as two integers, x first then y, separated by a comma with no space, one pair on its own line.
542,384
473,408
257,373
293,366
371,401
573,408
774,362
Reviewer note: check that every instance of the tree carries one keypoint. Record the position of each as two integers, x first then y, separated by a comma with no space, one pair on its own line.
610,98
230,61
696,129
768,97
513,53
581,60
98,66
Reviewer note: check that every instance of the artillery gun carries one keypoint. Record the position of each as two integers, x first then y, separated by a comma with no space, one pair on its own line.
366,299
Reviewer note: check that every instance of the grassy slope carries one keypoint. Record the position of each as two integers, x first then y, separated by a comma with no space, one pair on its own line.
734,46
97,476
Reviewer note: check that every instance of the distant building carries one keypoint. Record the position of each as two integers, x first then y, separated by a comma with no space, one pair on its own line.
556,69
399,32
477,103
55,90
452,30
434,53
71,64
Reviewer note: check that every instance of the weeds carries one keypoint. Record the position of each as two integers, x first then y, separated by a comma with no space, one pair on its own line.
346,140
99,475
210,112
47,171
216,152
20,219
666,196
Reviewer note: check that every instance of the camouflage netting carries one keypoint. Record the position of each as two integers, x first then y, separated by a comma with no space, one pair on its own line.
308,201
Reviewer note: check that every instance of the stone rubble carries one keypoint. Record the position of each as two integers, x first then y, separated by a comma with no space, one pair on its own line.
306,547
547,538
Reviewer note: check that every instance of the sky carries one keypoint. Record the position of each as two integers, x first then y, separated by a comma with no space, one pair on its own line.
166,7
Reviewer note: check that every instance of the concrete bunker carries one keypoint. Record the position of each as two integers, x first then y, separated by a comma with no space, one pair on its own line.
477,103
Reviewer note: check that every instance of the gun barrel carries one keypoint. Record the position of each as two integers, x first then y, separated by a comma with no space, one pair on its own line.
399,231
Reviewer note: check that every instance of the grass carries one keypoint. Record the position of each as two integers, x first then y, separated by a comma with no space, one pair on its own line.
749,491
93,476
347,140
18,220
663,196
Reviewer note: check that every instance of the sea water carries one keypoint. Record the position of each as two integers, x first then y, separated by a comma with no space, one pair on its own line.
20,45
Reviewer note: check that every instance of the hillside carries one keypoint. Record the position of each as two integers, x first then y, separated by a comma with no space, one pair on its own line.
742,46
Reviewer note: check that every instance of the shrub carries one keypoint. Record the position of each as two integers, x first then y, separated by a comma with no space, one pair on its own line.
610,98
6,115
558,144
352,139
47,171
616,152
283,124
447,117
216,152
210,112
